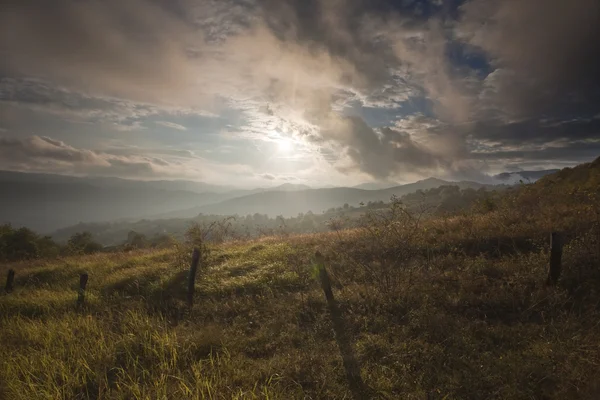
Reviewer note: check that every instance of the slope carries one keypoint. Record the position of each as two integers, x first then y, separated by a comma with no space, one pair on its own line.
317,200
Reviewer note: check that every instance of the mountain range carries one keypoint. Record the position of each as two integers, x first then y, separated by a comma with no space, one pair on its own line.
290,203
46,202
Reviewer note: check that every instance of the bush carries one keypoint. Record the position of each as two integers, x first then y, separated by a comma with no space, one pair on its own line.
24,244
83,243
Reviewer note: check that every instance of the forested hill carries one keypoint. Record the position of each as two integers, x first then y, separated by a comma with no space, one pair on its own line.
46,202
290,204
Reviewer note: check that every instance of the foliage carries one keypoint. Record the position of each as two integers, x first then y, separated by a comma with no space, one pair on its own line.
438,201
24,244
137,240
83,243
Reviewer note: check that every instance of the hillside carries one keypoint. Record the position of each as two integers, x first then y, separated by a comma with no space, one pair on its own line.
46,202
452,307
228,208
111,182
316,200
435,201
47,206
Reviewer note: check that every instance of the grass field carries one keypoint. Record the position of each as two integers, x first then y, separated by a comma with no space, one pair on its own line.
447,308
445,326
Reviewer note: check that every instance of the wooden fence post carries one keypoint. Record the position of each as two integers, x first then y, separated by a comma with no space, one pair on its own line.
83,279
554,270
192,276
355,382
10,278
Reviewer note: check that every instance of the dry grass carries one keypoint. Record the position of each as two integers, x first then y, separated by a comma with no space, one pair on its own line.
441,313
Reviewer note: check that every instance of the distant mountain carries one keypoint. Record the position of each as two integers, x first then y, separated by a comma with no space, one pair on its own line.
375,185
582,179
45,202
188,186
287,203
102,181
316,200
526,176
291,187
233,194
45,207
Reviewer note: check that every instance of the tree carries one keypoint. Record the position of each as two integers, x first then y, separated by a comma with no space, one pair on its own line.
19,244
83,243
137,240
47,247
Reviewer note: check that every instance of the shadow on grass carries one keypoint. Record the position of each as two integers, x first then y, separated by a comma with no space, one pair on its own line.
134,285
242,270
47,277
489,247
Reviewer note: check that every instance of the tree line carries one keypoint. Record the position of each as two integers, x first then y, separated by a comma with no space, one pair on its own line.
17,244
22,243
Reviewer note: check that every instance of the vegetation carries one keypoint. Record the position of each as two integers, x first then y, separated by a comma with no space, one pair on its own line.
44,202
24,244
439,305
437,201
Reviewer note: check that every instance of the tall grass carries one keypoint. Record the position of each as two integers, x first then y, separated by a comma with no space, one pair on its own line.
447,308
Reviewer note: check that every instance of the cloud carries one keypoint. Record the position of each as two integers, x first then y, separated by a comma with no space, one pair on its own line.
46,150
44,154
154,52
76,106
113,47
547,53
464,88
393,151
267,176
172,125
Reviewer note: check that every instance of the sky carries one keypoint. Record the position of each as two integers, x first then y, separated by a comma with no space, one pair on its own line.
318,92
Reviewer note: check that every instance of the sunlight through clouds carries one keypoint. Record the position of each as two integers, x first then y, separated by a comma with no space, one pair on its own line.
383,90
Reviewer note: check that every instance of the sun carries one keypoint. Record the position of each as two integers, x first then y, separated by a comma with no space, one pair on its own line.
285,145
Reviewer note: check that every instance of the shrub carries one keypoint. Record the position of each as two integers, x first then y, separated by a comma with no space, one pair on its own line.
83,243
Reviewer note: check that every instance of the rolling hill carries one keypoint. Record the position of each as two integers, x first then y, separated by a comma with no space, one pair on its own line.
455,307
46,202
316,200
48,206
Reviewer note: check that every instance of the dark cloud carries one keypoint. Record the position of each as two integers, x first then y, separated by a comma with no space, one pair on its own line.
335,26
535,132
388,152
538,102
547,53
575,151
108,46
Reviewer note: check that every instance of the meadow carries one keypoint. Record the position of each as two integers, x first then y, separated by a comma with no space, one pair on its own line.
452,307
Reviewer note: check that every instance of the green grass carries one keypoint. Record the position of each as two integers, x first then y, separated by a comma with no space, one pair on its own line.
439,324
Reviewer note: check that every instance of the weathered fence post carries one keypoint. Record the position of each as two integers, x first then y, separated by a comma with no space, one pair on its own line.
351,366
554,270
10,278
83,279
192,276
